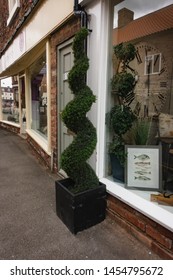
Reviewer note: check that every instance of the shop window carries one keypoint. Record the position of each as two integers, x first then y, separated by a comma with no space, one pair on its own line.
150,98
10,101
13,6
39,96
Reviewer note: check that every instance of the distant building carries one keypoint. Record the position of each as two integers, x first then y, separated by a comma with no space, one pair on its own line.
7,93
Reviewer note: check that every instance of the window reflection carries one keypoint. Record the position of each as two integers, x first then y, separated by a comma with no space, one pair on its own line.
39,96
151,99
10,100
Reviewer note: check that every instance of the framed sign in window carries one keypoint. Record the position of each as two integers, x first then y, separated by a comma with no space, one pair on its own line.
143,169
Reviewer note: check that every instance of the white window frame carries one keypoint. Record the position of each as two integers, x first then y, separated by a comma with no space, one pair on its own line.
13,6
151,58
45,144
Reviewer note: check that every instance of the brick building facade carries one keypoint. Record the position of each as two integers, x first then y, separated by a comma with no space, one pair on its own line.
64,31
3,25
61,35
30,49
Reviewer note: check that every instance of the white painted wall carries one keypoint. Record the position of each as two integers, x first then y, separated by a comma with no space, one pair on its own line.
99,53
48,17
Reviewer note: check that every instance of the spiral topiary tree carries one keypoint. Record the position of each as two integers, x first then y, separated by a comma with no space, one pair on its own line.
75,156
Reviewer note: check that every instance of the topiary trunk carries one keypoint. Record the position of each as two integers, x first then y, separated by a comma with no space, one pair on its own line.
73,159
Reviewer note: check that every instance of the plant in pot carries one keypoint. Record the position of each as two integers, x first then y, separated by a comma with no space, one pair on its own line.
80,198
121,117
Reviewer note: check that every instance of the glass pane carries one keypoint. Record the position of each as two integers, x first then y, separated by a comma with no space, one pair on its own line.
140,99
39,95
10,100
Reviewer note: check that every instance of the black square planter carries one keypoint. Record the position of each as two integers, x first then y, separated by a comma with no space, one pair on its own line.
80,211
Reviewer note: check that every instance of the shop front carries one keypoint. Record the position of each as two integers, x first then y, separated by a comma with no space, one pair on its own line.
134,201
40,91
25,70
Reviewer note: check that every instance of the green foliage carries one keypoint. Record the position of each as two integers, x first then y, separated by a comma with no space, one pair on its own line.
83,102
122,83
76,77
125,52
139,132
121,119
73,159
117,148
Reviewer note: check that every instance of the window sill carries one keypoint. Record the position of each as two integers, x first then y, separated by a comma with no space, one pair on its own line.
140,200
11,123
43,143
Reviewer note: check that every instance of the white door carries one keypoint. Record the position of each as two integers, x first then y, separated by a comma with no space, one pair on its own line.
65,63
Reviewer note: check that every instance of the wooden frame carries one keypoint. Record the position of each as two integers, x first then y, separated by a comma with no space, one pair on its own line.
143,168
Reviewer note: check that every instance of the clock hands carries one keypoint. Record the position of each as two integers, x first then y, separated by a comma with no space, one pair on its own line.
161,71
146,109
149,93
148,73
138,57
156,59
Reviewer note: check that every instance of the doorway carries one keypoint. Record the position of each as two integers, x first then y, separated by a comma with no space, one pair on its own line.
65,63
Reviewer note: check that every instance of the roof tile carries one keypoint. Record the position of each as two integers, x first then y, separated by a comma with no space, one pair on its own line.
152,23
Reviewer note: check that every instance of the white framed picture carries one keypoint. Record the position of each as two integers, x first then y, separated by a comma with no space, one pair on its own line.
143,167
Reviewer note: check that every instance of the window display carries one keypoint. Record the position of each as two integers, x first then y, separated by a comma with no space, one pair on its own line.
10,101
39,96
151,89
143,165
141,85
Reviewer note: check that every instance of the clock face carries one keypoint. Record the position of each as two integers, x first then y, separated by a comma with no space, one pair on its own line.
151,87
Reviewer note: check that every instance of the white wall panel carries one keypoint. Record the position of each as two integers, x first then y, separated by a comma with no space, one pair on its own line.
48,17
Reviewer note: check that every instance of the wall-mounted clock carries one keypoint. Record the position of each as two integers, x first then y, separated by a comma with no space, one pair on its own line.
151,87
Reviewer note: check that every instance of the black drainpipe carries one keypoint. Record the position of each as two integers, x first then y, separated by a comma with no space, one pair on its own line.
79,11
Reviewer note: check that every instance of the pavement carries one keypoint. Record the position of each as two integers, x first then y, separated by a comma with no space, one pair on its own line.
29,226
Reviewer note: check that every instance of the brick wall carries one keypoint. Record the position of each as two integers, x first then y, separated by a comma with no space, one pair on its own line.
124,17
11,128
40,154
3,23
156,237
